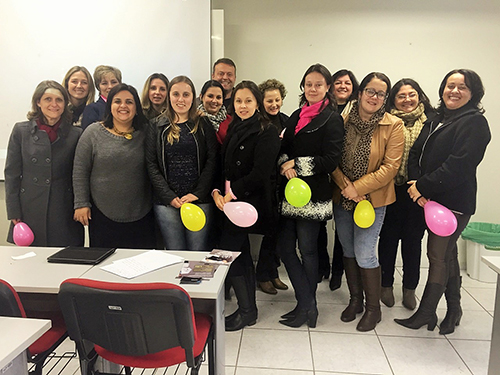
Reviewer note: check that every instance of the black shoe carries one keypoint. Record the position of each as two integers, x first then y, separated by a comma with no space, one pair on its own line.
291,314
310,316
335,282
240,319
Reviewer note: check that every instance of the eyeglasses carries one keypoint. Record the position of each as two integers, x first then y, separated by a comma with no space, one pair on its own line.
371,93
411,95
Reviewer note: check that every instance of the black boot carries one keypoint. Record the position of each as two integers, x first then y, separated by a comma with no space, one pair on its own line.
426,313
353,275
302,316
246,314
371,278
335,282
454,312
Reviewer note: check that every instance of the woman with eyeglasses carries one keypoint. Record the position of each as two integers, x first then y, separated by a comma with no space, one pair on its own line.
371,156
310,150
442,167
404,220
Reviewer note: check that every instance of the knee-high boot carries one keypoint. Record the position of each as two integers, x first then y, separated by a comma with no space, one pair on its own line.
246,314
426,313
454,312
371,278
353,276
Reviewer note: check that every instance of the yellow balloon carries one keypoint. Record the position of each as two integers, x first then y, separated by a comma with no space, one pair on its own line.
193,217
364,214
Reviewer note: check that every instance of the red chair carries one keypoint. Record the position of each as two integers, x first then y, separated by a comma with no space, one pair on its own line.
10,305
135,325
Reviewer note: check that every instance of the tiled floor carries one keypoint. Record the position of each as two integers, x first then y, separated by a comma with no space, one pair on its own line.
334,347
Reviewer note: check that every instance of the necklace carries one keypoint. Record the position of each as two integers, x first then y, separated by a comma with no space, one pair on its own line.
127,135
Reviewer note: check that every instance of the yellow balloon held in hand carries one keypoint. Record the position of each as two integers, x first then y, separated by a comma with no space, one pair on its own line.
364,214
297,192
193,217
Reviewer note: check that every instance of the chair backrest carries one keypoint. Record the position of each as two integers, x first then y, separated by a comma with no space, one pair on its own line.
10,303
128,319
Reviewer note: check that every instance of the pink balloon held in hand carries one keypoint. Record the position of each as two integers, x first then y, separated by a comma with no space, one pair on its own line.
23,235
440,220
241,214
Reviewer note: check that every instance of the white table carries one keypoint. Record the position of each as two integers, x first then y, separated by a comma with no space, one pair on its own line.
16,335
36,275
208,296
494,363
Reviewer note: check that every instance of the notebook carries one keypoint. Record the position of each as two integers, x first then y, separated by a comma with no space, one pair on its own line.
81,255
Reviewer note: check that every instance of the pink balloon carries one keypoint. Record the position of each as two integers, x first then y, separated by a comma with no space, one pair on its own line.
440,220
241,214
23,235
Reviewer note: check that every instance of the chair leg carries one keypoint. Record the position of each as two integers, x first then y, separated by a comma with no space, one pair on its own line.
211,352
127,370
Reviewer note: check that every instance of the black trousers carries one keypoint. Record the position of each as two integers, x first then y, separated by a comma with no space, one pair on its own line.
104,232
404,221
269,261
234,239
338,253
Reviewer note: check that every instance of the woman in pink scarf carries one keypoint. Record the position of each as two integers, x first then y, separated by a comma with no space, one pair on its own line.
311,149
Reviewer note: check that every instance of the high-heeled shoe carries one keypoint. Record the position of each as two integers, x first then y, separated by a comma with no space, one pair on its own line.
426,313
310,316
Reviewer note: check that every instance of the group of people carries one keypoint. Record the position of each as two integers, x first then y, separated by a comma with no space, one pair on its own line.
124,166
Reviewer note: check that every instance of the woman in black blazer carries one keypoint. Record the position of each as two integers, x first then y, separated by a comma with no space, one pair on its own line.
442,167
249,155
310,150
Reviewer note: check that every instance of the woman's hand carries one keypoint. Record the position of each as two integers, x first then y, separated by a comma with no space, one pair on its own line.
82,215
415,194
290,164
188,198
16,221
176,202
220,200
290,173
351,193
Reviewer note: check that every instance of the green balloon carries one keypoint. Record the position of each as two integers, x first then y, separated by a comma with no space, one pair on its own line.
297,192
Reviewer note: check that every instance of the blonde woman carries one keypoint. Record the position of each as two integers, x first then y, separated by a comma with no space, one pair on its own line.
154,95
80,86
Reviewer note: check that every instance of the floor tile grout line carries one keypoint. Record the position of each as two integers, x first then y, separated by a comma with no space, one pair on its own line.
385,353
459,356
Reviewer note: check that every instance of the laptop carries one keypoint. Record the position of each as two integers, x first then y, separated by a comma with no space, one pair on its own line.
81,255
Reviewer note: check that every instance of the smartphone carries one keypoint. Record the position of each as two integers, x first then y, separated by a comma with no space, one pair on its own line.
190,280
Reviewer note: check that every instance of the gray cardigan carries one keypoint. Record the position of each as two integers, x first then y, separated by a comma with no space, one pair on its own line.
110,172
38,188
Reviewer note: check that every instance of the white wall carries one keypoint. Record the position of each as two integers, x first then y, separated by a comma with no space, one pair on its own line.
42,40
421,39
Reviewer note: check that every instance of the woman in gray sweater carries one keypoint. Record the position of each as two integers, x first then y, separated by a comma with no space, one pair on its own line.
112,189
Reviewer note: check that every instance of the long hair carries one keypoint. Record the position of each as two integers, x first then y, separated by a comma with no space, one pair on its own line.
174,131
261,113
472,81
321,69
139,120
75,69
36,113
145,101
414,84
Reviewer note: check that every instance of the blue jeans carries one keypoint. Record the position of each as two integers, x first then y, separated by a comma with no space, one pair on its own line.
303,272
357,242
175,235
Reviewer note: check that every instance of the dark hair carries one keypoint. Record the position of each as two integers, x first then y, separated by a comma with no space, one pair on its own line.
377,75
414,84
273,84
36,112
139,119
254,89
224,60
321,69
355,83
472,81
211,83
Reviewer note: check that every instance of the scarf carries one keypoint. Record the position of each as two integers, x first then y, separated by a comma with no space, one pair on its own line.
214,119
414,122
308,112
50,130
357,147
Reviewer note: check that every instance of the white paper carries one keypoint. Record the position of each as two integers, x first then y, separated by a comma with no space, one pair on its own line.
24,256
142,263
